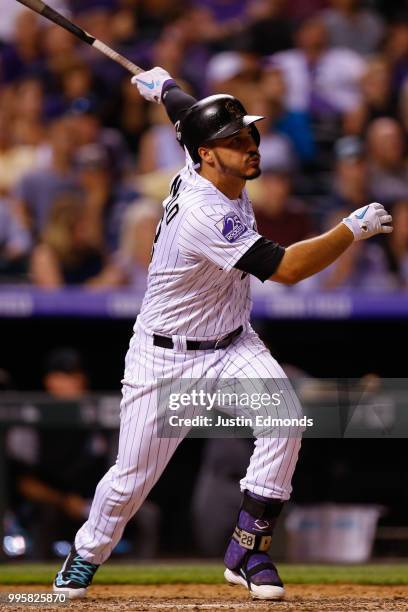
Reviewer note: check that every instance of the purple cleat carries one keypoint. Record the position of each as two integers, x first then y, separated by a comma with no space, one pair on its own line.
246,559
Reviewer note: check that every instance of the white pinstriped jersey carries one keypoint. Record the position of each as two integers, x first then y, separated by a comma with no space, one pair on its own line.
193,290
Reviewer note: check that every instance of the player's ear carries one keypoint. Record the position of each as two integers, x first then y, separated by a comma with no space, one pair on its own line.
206,155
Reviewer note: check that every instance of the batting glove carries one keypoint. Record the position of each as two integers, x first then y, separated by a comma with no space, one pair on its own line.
150,83
368,221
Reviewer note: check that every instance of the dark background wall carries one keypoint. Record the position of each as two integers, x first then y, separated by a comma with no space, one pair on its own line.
320,348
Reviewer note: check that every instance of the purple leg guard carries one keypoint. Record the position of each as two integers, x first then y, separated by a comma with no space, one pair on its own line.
247,550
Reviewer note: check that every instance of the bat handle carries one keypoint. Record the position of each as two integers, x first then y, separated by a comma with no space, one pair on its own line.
117,57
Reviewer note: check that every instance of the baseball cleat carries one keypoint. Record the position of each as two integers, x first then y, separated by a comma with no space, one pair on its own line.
262,580
75,576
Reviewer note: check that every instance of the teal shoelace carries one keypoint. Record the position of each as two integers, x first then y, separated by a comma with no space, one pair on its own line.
81,571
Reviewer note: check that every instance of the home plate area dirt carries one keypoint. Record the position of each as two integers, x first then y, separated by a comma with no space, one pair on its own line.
197,597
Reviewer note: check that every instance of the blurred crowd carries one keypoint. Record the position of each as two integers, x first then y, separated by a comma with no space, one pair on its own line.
85,162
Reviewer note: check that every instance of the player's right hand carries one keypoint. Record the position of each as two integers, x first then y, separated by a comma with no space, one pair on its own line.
150,83
368,221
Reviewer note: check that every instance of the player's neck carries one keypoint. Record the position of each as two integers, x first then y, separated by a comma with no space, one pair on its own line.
230,186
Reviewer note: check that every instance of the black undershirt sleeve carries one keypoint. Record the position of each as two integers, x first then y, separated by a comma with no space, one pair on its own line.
262,259
176,101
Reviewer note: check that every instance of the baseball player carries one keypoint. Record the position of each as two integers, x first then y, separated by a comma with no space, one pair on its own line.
194,324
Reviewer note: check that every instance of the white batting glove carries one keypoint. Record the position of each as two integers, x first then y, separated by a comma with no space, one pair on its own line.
368,221
150,83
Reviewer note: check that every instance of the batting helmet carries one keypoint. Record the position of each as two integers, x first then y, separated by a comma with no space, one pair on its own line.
214,117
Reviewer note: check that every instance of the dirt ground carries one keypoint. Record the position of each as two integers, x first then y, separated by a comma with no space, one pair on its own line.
197,597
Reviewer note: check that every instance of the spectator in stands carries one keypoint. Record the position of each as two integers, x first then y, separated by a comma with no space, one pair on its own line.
168,50
96,17
386,159
302,9
104,199
15,243
86,128
350,188
270,30
95,178
153,16
138,232
124,24
78,82
404,106
37,190
180,50
378,99
21,56
60,50
15,159
351,25
159,149
295,124
129,264
275,147
28,112
64,255
29,99
126,112
375,266
224,11
10,11
363,267
396,245
279,215
218,25
321,81
396,52
231,71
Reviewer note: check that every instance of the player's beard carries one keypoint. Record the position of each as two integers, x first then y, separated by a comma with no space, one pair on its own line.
237,173
257,171
251,177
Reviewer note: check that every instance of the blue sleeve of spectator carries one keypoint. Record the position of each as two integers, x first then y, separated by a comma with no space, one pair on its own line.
296,125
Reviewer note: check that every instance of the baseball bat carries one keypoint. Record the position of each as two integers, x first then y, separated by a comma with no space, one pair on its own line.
49,13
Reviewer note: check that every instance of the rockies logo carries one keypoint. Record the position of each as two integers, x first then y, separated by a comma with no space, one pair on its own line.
233,109
231,227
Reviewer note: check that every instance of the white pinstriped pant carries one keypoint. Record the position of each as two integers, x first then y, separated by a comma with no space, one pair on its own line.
142,455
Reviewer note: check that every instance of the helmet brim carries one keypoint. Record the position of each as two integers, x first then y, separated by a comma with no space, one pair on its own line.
235,126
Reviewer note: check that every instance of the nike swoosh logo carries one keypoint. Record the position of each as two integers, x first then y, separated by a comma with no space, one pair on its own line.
60,582
361,215
149,85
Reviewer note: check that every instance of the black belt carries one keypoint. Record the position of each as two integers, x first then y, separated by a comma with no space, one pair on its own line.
199,345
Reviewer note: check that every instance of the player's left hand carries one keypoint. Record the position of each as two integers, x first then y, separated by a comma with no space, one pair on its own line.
368,221
150,83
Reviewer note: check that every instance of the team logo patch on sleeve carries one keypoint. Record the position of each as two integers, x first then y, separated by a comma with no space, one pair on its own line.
231,227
